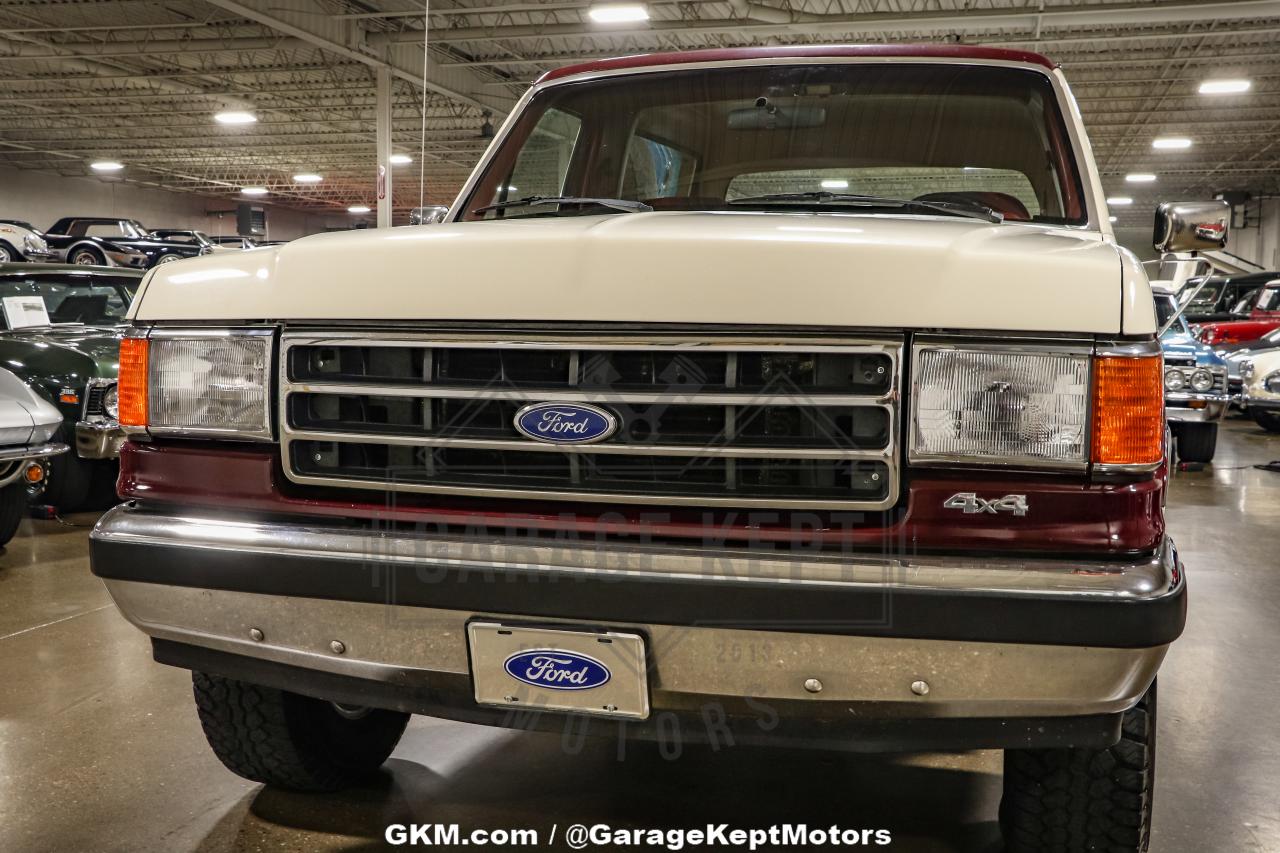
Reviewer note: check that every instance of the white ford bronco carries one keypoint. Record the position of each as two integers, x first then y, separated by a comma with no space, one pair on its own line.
788,395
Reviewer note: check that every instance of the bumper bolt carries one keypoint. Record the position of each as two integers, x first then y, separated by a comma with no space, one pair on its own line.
337,647
256,635
813,685
920,688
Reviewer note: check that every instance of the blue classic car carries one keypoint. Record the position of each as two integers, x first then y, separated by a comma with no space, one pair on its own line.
1195,384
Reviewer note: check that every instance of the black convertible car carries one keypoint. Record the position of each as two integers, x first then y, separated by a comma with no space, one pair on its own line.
72,237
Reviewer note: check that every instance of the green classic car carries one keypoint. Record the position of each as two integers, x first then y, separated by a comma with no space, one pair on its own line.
59,333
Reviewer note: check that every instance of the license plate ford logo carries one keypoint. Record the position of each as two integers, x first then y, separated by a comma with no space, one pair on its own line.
565,423
557,669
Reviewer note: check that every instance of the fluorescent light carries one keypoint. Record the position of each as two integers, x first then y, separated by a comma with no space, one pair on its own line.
106,166
307,178
235,117
1119,200
1224,87
254,190
1172,143
1113,218
357,208
835,184
401,159
618,13
1140,177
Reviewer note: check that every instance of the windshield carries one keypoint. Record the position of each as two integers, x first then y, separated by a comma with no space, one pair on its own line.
37,300
701,139
1166,307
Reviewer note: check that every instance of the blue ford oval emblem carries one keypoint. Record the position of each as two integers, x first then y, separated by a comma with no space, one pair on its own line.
557,669
565,423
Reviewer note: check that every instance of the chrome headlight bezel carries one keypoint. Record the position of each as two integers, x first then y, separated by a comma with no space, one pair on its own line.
1074,361
1175,379
167,346
1201,380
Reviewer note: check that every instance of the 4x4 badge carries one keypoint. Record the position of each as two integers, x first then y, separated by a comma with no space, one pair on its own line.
971,504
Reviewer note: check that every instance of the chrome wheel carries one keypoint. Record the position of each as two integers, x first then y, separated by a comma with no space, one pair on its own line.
167,259
5,255
85,259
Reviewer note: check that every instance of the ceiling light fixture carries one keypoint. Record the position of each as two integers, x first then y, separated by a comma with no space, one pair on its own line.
357,208
1140,177
254,190
618,13
1171,143
1224,87
401,159
307,178
235,117
1113,218
106,166
1119,200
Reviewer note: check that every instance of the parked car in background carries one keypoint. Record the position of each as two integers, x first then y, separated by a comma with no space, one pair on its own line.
129,233
87,249
234,242
1253,316
1237,354
60,333
1195,384
192,238
28,426
1223,297
1261,393
20,241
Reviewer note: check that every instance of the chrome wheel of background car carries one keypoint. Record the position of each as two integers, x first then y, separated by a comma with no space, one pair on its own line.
6,254
165,259
85,259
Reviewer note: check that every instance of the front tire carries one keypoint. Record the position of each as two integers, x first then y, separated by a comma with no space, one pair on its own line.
13,508
1270,421
8,253
1084,800
168,259
87,257
290,741
1196,442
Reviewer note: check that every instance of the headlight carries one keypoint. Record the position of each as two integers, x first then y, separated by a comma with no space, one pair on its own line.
1272,383
1175,379
1000,405
197,383
111,402
1246,369
1201,380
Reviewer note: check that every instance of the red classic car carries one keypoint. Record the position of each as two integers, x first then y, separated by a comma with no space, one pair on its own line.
1253,320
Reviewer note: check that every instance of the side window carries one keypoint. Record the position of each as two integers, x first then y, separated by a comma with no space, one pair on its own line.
655,170
544,161
101,229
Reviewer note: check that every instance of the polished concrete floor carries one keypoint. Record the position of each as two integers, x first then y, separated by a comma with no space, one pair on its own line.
100,748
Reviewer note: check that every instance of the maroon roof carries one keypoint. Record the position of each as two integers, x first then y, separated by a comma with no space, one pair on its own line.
732,54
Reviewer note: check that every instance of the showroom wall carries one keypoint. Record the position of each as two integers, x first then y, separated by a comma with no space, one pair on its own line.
41,198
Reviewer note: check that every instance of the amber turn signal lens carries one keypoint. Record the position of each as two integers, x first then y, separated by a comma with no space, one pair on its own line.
1128,410
132,385
34,473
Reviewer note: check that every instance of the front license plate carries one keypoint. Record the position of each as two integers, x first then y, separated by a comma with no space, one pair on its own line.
543,669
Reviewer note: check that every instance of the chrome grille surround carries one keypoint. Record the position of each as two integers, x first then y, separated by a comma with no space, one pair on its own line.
725,450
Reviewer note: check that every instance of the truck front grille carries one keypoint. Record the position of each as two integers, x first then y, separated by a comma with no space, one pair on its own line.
712,421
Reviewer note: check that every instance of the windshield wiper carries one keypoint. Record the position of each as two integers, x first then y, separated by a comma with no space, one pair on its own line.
536,200
973,211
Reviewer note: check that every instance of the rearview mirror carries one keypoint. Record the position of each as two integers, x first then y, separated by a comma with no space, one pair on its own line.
1191,226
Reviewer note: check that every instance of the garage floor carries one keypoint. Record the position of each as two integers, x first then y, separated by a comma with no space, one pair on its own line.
100,748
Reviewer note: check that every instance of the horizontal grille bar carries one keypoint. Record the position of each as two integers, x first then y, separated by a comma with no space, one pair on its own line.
782,423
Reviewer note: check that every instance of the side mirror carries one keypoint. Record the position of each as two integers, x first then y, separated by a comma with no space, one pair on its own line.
1191,226
428,215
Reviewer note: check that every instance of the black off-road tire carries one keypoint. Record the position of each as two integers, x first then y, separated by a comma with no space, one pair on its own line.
1196,442
1270,421
1083,800
13,508
290,741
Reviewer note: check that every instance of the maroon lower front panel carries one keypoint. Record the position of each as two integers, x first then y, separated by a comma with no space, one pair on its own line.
1062,516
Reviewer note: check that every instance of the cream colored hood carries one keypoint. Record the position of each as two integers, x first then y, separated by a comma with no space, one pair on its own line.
724,268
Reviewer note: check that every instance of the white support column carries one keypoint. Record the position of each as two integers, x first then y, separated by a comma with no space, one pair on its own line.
383,122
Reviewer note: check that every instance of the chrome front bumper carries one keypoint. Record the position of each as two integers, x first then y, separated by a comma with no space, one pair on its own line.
12,457
1214,409
99,440
719,624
